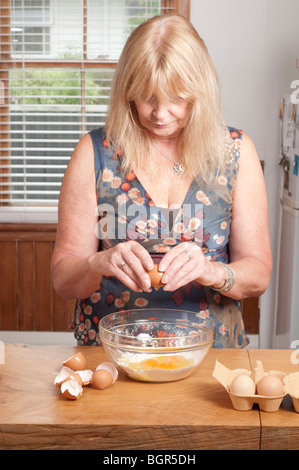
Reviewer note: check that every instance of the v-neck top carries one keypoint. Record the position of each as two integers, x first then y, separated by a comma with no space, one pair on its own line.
127,212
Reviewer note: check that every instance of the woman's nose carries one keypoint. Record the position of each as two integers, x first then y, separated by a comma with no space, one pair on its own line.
160,109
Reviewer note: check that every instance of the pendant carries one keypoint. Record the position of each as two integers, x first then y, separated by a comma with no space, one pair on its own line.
178,169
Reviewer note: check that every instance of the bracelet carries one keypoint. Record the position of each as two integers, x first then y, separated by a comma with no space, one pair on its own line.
229,281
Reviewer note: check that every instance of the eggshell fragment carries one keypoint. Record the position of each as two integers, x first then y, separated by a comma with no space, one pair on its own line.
270,386
64,373
76,362
74,376
71,389
85,376
109,367
101,379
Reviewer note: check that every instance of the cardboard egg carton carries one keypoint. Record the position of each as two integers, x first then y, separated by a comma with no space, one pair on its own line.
244,403
291,385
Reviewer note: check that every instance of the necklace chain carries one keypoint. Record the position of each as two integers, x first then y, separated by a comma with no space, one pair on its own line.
178,168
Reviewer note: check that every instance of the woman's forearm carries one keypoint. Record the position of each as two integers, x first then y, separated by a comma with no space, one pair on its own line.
252,277
74,277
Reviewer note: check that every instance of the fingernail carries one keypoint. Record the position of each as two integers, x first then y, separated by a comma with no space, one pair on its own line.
161,267
165,279
147,283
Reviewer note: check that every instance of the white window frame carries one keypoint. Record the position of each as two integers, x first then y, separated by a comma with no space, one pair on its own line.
47,213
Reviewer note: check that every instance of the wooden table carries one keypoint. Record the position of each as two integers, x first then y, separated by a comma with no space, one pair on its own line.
191,414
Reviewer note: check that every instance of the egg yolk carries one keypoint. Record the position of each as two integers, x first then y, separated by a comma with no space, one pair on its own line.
161,362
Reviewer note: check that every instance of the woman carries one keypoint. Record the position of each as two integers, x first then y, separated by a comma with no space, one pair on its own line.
164,176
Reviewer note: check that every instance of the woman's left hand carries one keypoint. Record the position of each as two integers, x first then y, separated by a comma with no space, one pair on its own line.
185,263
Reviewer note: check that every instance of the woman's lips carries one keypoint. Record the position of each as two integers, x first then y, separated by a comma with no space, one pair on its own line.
161,125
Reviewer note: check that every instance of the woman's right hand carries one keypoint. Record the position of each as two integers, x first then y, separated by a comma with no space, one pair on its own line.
128,261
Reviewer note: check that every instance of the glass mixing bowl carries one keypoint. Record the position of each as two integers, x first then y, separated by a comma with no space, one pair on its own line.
156,345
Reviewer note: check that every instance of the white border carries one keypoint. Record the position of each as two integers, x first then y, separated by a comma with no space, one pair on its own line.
33,214
38,338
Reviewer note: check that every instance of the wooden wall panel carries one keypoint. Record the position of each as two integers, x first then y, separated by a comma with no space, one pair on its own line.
43,307
251,315
28,301
8,288
62,321
25,285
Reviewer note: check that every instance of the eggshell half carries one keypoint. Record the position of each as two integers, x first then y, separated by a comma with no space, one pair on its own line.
101,379
76,362
109,367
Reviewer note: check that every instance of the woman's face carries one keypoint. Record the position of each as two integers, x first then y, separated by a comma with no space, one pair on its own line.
163,119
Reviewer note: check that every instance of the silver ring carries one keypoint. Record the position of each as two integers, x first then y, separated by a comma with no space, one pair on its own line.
188,254
122,265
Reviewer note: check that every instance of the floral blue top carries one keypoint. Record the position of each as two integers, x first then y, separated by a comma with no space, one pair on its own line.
126,211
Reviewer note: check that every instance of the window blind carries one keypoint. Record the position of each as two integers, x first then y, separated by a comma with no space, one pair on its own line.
57,63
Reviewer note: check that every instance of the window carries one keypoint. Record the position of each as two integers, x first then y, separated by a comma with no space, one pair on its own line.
57,64
30,28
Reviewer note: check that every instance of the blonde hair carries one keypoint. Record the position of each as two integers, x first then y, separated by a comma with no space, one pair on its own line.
165,57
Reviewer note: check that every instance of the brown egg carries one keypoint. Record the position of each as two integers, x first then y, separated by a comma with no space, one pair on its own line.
76,362
155,277
242,385
270,386
101,379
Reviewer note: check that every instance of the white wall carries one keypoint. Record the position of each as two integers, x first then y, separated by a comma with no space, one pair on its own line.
254,45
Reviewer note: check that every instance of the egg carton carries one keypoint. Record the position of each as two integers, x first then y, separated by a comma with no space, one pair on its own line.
291,385
244,403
